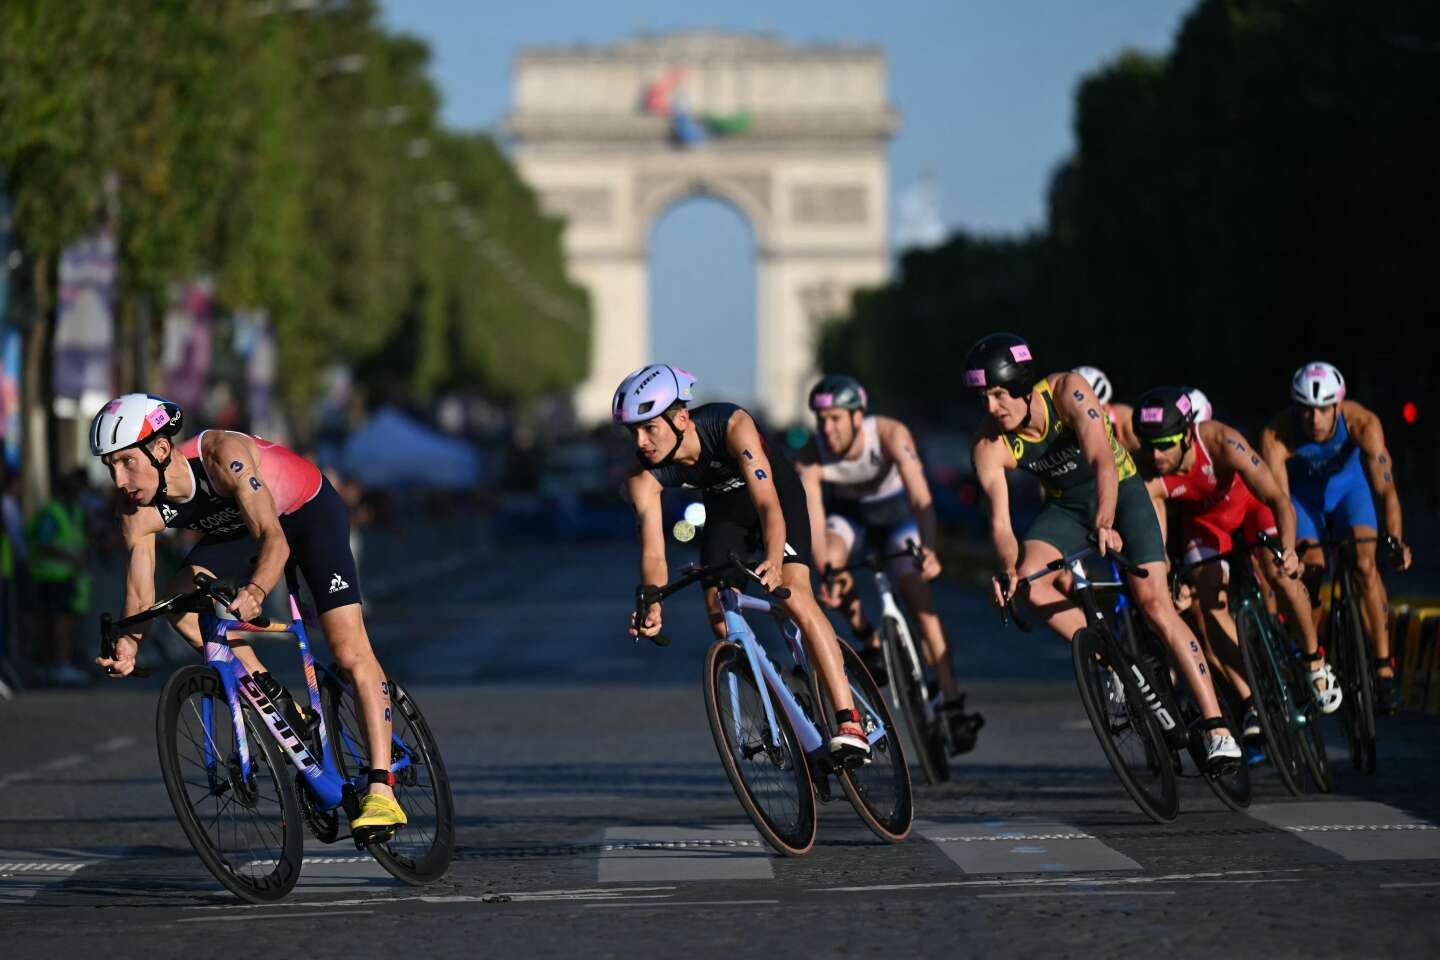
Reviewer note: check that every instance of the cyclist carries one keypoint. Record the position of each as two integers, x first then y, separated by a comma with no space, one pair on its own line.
1119,413
1329,454
1052,427
257,505
880,494
1223,486
753,505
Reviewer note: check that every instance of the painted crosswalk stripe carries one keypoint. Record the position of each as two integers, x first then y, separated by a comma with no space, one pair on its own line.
668,854
1355,829
1022,846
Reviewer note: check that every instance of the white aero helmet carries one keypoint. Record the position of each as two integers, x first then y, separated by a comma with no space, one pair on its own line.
649,391
1098,382
131,420
1200,404
1317,384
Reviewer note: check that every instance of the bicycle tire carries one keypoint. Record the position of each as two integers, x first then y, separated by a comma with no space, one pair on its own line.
733,705
911,699
1149,779
272,790
1311,734
1358,707
880,790
1267,687
421,851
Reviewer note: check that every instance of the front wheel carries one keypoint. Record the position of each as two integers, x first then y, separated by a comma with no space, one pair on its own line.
1128,732
766,767
879,789
911,699
1263,671
246,828
422,849
1357,709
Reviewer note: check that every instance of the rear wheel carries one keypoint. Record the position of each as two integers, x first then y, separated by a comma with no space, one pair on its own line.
1357,709
420,851
1233,786
1310,737
765,764
879,789
246,828
907,688
1128,732
1267,680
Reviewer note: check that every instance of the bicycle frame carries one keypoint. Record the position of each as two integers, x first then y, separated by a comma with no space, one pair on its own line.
322,776
768,679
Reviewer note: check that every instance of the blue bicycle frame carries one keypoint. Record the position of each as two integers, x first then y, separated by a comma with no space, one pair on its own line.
768,679
322,777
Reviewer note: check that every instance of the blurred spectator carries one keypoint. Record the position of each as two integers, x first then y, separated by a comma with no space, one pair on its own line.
14,572
57,554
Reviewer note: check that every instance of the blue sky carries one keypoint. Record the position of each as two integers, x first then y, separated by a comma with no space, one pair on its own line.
985,89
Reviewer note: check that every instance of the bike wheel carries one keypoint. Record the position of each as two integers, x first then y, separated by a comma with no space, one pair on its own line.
1310,737
911,699
246,830
1128,732
771,780
1357,710
1258,652
420,851
879,790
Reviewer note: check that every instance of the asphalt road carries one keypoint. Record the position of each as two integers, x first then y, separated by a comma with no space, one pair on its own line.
594,818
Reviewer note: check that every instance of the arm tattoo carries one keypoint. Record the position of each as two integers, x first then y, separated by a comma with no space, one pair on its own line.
1387,476
1383,461
1078,396
747,454
1092,414
1255,461
909,452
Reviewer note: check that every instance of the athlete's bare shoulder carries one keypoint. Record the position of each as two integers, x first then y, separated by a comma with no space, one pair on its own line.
988,448
138,521
1280,431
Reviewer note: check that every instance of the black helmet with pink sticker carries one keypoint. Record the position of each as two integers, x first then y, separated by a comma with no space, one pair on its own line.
1000,360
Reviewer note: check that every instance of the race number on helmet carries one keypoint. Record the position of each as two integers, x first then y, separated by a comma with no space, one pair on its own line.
131,420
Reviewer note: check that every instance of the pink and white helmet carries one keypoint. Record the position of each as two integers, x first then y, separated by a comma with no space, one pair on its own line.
132,419
649,391
1317,384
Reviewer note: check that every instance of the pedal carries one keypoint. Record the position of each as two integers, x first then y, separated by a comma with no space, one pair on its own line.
822,789
365,837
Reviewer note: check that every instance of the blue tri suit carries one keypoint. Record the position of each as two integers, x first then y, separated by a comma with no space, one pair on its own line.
1328,485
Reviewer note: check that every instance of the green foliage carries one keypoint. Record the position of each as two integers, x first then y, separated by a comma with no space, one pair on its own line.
294,156
1263,195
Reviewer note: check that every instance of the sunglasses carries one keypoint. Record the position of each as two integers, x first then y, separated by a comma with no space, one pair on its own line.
1164,443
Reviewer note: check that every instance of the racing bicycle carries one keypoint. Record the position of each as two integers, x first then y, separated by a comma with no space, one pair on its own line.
772,729
1143,722
228,749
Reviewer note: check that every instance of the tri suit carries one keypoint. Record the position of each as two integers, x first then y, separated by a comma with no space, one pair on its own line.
1067,518
315,520
1328,484
865,496
1210,514
731,520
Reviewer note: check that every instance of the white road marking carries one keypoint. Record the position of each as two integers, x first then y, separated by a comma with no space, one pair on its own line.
1358,830
1076,893
1098,881
669,854
682,903
999,846
116,743
65,762
280,916
1397,886
584,893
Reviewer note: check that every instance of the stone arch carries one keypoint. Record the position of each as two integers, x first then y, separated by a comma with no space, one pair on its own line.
802,159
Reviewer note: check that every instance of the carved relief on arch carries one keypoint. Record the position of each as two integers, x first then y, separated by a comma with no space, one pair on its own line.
580,206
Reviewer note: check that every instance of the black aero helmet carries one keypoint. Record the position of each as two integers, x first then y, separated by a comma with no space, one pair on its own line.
1000,360
838,391
1163,416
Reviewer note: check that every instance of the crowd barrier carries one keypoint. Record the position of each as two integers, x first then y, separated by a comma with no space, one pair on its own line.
1415,641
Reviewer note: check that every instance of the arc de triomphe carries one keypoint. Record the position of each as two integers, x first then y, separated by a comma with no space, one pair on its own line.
793,137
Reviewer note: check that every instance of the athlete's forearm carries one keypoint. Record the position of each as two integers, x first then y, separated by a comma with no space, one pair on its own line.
653,569
1107,488
1390,505
1007,547
772,522
274,552
926,522
140,584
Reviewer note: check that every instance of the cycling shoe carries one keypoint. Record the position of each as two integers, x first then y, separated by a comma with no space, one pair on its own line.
849,747
380,818
964,727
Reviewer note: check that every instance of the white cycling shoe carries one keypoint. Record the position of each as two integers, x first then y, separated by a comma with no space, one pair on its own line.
1329,696
849,747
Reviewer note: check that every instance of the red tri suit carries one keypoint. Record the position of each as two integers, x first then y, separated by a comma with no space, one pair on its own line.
1212,515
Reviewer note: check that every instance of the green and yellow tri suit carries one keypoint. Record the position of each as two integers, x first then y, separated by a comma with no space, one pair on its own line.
1068,517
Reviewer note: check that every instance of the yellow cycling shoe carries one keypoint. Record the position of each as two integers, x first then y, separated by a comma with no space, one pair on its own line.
379,813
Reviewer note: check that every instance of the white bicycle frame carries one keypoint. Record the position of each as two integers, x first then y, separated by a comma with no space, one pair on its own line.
769,681
890,610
